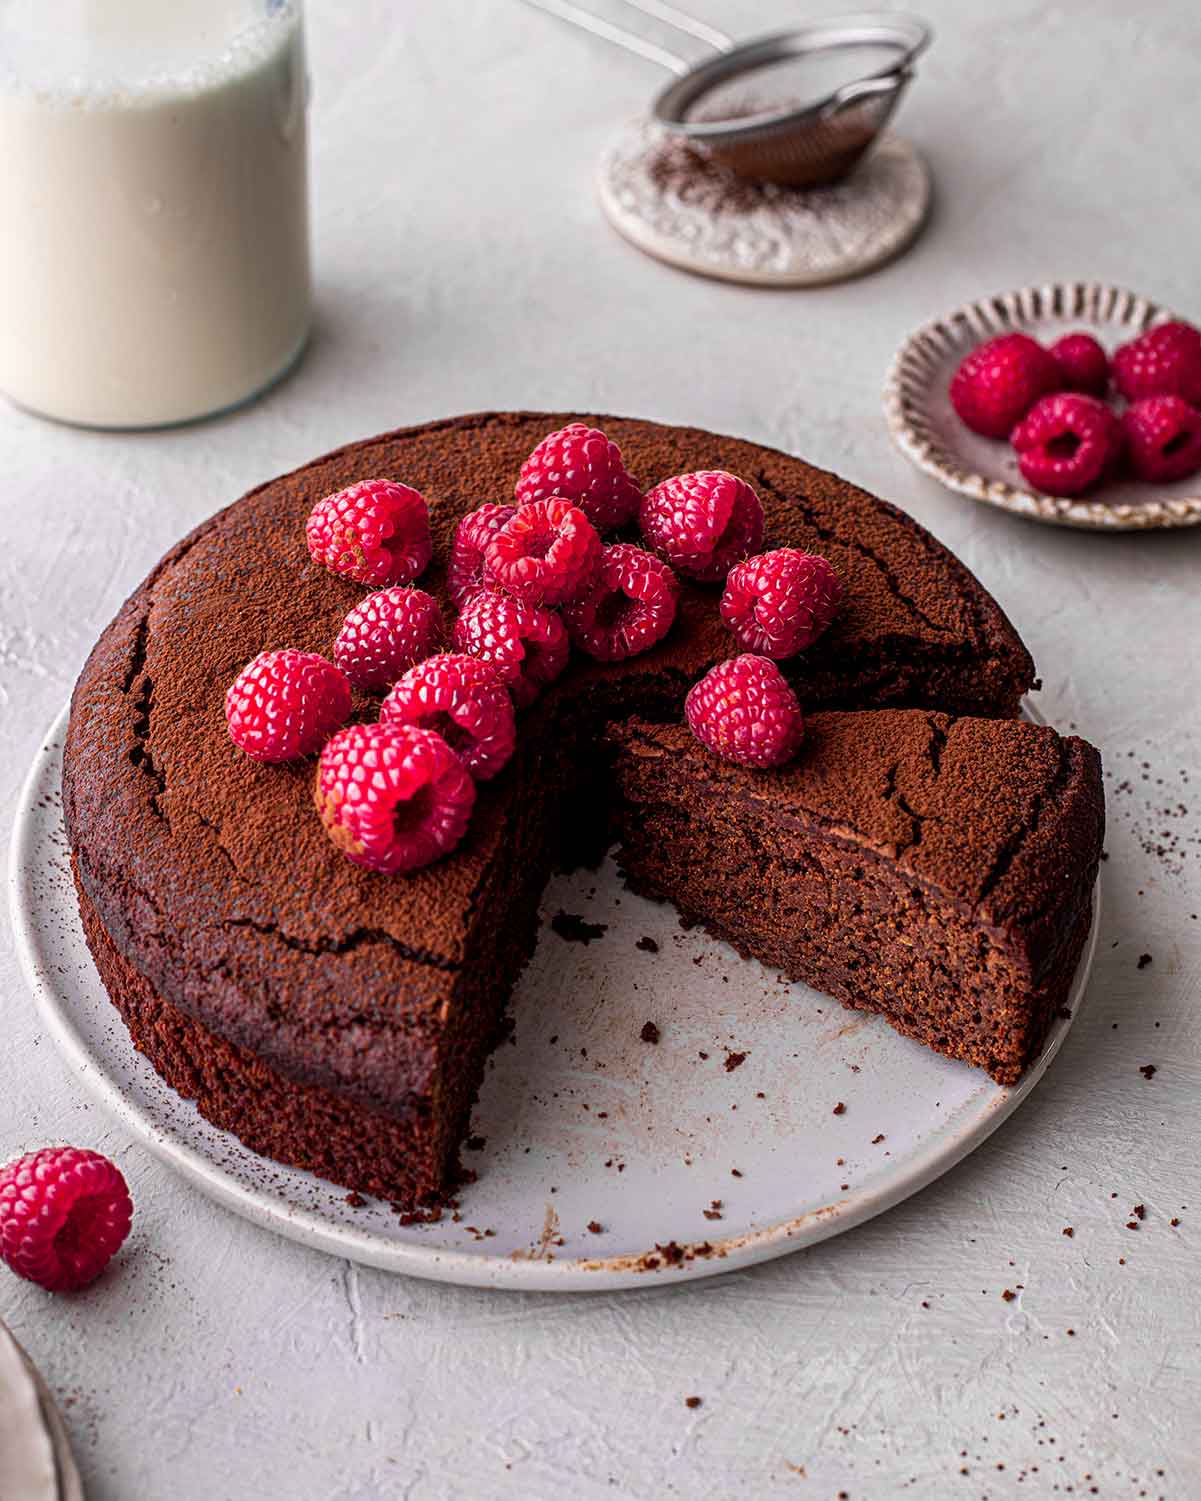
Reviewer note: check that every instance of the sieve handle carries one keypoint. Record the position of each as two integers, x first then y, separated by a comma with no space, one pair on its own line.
867,88
630,40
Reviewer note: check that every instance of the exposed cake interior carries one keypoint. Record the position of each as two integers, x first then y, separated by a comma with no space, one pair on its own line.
935,869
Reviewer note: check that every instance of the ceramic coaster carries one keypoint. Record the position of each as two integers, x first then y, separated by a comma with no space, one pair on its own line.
677,204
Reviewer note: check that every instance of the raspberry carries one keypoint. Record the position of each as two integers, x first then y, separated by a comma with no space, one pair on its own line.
465,572
64,1214
385,634
545,554
999,381
1066,443
1165,361
392,797
780,602
580,464
703,523
463,700
744,711
1163,438
284,704
375,532
526,645
629,607
1083,364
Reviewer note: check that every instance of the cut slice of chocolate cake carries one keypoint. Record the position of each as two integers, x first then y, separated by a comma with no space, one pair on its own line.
938,870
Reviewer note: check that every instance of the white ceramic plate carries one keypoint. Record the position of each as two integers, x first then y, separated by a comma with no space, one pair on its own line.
35,1457
718,1143
925,428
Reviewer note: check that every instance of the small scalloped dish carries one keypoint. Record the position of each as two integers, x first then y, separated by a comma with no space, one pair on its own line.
925,428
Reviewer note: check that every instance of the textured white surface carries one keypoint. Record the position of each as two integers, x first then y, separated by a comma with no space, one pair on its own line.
462,263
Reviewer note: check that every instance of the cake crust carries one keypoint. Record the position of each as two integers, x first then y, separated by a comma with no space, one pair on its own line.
212,879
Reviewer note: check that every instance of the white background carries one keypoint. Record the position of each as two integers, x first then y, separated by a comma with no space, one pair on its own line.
462,264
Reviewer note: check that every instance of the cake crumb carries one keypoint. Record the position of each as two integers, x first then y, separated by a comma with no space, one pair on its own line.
1068,1231
1148,1070
1174,1221
839,1109
594,1227
876,1140
476,1143
576,929
649,1033
734,1173
1008,1294
693,1402
733,1061
647,945
1144,960
355,1199
1139,1211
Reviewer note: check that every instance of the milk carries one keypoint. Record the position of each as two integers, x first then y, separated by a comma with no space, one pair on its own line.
154,261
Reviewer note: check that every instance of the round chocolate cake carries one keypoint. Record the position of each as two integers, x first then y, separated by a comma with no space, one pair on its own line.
338,1019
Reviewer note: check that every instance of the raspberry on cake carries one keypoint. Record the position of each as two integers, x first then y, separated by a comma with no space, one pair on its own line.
582,465
629,607
465,573
780,602
998,382
463,700
744,711
386,633
526,644
546,554
1083,364
1163,438
392,797
64,1214
1067,442
284,704
703,523
1165,361
376,532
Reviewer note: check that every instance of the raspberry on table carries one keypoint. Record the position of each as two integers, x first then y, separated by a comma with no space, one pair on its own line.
463,700
64,1214
1067,442
780,602
392,797
376,532
703,523
1083,364
582,465
1163,438
285,703
1165,361
385,634
526,644
998,382
630,606
744,711
465,571
546,554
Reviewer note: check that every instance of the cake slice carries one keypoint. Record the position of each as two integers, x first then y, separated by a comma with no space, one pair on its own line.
936,869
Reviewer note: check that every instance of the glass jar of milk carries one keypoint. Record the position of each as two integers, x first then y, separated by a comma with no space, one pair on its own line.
154,244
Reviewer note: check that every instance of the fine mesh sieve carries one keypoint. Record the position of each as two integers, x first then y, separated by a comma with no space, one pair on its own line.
798,107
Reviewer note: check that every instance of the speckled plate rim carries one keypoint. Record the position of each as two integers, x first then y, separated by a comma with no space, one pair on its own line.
469,1269
907,400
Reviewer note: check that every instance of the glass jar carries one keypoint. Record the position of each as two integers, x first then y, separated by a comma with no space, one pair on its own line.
154,241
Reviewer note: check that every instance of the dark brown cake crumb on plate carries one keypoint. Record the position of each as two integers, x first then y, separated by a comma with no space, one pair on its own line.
649,1033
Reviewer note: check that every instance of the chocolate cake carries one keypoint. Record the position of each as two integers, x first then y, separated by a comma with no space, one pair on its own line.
337,1019
934,868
